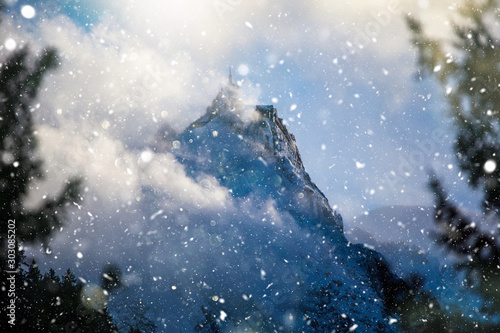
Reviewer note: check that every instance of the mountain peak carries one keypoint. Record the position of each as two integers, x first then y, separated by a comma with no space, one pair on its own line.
266,247
254,155
225,105
277,215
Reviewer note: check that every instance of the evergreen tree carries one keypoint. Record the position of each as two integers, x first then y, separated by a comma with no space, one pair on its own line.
43,303
467,68
21,75
20,80
49,303
19,163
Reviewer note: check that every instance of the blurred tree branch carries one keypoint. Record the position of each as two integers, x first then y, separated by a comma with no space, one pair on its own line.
468,68
20,80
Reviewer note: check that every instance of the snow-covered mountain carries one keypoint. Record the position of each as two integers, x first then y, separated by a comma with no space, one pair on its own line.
250,151
271,257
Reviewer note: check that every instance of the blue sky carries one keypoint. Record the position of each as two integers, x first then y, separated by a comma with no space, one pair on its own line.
342,76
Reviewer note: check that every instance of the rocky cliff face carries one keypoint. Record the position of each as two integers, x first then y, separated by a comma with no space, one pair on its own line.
260,155
278,141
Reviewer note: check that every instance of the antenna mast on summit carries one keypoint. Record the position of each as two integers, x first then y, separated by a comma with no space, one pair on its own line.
230,76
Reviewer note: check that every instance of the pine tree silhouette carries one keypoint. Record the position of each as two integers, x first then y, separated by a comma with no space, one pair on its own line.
19,165
49,303
44,303
467,68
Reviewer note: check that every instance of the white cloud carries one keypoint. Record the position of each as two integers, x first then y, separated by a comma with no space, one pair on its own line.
102,162
113,77
116,175
168,176
152,62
